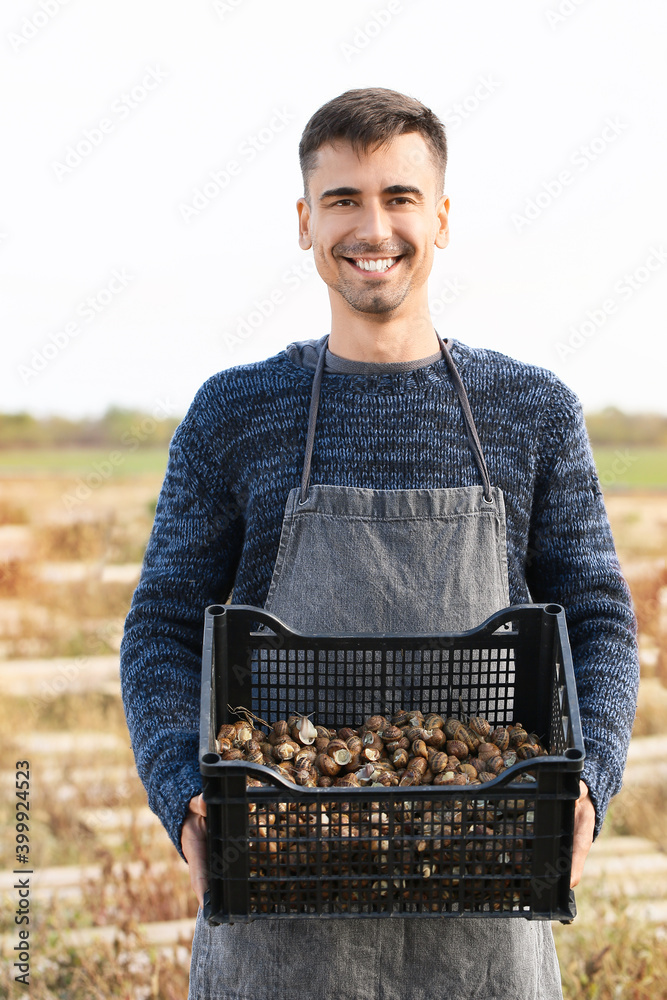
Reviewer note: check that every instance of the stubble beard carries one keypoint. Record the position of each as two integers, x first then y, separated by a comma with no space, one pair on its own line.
369,300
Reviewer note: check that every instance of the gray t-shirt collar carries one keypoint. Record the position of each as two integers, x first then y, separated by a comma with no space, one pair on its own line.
306,352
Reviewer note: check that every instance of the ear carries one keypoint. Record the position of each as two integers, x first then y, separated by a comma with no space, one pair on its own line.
442,232
303,209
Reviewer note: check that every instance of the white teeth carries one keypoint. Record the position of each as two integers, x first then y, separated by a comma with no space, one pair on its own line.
375,265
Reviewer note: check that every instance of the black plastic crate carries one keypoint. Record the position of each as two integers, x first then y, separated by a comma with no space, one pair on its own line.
498,849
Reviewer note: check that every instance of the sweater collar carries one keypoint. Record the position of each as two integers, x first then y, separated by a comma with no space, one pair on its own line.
305,353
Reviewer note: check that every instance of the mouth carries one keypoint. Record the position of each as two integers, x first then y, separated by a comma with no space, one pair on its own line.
374,268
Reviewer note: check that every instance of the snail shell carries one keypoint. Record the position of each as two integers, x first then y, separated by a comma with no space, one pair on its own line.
436,739
479,726
327,765
500,737
438,763
391,733
417,764
457,748
347,781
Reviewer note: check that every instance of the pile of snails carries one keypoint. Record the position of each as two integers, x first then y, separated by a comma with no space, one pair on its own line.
361,852
406,749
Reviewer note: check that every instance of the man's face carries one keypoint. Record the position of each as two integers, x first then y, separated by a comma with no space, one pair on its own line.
375,207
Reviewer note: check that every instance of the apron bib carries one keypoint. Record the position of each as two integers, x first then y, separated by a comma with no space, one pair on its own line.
404,561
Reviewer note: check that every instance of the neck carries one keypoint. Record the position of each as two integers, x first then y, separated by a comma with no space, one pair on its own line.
357,338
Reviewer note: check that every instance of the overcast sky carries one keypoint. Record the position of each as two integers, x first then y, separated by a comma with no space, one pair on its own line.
129,274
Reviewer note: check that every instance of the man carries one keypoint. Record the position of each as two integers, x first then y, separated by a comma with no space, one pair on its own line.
472,476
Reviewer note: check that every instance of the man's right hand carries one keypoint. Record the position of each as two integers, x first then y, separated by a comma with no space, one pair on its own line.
193,844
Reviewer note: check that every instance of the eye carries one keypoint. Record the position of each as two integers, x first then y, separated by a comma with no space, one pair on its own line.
399,198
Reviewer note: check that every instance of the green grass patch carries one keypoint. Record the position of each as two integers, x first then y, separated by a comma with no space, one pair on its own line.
624,467
107,462
628,467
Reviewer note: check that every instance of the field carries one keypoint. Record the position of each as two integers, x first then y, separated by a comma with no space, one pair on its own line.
111,907
74,462
636,468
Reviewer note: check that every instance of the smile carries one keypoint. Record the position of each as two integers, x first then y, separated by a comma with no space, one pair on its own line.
365,266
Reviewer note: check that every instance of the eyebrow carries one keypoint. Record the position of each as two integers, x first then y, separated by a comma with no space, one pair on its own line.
344,192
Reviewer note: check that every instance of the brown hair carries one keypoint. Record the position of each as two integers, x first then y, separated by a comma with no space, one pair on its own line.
368,119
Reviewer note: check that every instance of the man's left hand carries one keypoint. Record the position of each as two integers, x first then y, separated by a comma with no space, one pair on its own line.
584,825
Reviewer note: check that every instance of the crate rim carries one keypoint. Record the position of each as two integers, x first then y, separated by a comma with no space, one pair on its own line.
488,626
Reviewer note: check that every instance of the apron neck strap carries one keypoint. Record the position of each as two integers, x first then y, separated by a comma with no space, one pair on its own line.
312,417
471,430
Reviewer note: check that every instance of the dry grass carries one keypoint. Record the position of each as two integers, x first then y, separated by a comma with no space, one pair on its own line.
89,540
608,954
126,899
103,972
639,812
603,954
12,512
69,617
63,618
130,968
39,631
74,540
85,599
651,717
66,712
649,594
16,578
127,970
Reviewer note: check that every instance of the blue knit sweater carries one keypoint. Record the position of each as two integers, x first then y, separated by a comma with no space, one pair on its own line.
239,451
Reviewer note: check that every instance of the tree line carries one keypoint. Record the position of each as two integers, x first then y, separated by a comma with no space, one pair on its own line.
116,426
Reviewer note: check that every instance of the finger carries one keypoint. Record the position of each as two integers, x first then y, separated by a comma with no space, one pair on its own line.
194,849
579,854
197,805
198,870
578,858
584,827
199,884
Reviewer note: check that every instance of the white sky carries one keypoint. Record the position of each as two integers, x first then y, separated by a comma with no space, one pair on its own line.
220,72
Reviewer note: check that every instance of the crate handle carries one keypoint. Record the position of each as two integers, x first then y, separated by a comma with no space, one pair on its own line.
236,768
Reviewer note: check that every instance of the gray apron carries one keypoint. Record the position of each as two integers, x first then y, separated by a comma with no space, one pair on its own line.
362,560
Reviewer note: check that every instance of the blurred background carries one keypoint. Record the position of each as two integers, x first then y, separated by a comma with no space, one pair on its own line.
148,238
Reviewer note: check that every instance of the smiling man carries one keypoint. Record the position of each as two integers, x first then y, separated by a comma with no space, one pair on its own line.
375,479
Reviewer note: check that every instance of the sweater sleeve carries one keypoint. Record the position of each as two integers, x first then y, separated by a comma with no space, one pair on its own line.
572,561
190,562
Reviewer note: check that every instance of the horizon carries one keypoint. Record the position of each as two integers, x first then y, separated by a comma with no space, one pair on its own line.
113,408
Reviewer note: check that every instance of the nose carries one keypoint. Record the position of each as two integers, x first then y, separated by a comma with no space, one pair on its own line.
373,225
